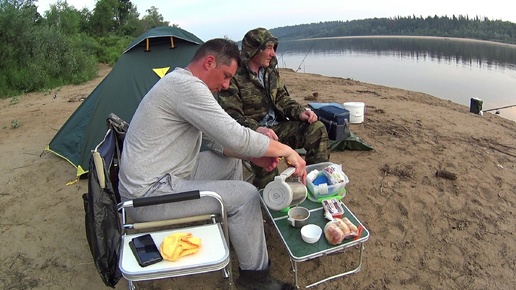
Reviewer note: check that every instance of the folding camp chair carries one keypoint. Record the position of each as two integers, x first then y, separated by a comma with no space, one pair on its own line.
116,257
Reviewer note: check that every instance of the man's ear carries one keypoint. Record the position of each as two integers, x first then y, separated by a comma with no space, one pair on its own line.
209,62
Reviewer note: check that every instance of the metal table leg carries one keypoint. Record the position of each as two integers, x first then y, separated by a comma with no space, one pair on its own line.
356,270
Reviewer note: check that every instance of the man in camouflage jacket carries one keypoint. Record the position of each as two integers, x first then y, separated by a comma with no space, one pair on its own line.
257,99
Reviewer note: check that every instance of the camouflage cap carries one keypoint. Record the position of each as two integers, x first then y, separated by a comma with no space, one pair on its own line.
256,40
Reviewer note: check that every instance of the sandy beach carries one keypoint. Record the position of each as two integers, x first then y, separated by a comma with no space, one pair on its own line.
428,230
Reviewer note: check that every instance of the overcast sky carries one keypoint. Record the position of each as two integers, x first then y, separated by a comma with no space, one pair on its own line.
216,18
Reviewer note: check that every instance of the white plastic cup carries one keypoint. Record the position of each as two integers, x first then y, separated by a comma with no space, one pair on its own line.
311,233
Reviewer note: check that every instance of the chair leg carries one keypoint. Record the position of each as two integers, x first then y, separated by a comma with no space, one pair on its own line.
228,274
130,285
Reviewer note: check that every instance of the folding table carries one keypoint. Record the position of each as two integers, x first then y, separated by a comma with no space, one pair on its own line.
300,251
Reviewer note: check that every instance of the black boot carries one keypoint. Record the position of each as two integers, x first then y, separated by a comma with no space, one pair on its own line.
260,280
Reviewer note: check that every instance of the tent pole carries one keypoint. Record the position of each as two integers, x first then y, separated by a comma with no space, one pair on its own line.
171,42
147,44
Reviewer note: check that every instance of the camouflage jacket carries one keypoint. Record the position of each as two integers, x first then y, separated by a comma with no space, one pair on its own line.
248,101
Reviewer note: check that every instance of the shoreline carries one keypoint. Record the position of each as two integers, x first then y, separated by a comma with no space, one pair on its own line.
430,64
490,110
415,37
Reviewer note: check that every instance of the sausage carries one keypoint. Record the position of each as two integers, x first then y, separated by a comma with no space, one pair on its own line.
351,226
343,226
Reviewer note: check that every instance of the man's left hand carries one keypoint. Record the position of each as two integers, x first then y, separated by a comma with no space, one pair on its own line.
308,116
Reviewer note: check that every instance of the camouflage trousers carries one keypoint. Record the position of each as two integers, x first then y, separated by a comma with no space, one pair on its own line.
297,134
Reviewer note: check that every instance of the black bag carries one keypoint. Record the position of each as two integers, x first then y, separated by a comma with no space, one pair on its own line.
336,120
103,229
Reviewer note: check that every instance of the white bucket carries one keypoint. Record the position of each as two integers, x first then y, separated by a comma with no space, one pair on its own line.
356,111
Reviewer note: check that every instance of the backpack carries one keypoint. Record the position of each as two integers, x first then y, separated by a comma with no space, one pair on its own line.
102,224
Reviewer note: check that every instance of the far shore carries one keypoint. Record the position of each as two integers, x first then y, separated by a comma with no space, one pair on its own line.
417,37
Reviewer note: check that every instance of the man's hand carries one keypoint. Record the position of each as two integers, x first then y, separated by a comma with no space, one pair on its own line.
308,116
299,163
268,132
268,163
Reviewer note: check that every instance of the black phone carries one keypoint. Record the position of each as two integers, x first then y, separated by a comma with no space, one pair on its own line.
145,250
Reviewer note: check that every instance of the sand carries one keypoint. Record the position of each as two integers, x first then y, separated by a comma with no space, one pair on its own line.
428,230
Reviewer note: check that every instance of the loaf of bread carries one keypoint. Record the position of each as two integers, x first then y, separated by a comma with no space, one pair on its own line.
338,230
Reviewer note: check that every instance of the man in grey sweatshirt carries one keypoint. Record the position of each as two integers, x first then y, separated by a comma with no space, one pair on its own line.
162,155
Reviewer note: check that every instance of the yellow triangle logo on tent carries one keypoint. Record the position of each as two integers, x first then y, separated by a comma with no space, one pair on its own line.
161,71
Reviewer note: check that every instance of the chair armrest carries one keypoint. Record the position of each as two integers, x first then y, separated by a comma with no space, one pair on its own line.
168,198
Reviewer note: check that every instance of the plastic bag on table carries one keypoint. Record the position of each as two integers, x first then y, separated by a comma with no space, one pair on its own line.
338,230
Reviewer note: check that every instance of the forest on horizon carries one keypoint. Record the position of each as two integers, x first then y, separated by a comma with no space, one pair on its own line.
456,26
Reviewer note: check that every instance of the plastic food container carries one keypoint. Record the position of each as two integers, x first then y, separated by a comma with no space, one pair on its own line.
317,193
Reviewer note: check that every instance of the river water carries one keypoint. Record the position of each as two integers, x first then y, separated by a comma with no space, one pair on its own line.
451,69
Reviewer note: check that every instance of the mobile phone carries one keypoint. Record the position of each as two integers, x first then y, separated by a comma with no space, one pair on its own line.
145,250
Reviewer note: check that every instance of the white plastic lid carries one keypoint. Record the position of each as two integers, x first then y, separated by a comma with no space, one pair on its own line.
353,104
277,195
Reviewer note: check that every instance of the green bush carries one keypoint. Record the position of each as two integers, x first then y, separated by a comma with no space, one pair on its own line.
26,78
50,59
87,44
38,53
112,48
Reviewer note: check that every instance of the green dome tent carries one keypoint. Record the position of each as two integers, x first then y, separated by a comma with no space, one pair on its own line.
143,63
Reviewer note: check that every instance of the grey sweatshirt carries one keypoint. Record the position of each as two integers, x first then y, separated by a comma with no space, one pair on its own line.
165,133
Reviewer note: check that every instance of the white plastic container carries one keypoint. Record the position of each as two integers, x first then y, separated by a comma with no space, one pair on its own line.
316,193
356,111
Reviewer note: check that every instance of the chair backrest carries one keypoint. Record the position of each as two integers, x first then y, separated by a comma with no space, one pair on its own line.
119,129
102,222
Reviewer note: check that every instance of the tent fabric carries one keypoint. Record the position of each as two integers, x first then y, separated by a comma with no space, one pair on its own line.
160,32
120,92
353,142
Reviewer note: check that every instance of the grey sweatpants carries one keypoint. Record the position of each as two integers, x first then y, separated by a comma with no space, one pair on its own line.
222,175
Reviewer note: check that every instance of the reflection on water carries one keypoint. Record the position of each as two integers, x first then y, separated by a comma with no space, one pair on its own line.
451,69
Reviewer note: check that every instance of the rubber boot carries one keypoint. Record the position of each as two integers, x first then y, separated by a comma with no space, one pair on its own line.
260,280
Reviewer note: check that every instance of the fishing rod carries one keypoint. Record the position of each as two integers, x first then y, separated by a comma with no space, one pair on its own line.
281,57
305,56
499,108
